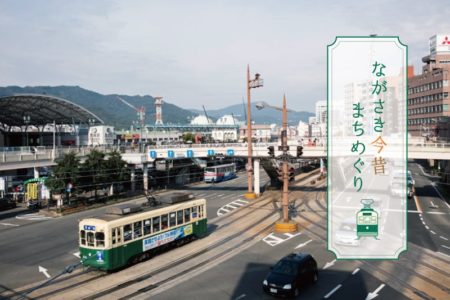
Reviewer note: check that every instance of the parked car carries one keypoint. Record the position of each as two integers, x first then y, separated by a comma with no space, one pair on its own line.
7,204
290,274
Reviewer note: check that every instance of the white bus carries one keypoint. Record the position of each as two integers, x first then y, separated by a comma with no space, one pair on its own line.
220,173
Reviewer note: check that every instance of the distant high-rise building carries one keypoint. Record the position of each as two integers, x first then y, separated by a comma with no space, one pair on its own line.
321,111
312,120
428,93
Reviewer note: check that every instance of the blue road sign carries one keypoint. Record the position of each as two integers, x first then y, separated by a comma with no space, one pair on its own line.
153,154
170,153
210,152
190,153
230,152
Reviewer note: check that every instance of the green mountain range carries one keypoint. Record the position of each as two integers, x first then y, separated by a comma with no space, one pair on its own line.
114,112
107,107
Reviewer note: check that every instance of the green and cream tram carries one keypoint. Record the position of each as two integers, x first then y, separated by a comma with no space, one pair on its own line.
129,233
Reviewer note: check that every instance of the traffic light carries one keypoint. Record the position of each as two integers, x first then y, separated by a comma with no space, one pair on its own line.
291,174
280,174
299,151
271,151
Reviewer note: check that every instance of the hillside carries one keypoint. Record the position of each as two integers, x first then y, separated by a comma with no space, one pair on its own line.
107,107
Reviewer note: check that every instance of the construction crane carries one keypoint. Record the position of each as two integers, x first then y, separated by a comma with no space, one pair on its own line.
140,114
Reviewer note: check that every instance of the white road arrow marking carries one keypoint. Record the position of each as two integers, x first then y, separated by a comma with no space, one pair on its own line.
303,244
445,246
44,271
329,264
373,295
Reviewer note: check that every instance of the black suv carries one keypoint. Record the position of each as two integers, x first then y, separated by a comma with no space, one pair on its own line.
290,274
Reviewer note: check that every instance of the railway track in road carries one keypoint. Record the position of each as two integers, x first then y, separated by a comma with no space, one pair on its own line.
418,274
233,232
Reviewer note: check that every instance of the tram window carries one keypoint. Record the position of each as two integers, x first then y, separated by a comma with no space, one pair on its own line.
113,236
119,234
172,219
137,226
90,239
147,226
100,239
194,212
156,224
164,222
187,215
83,237
200,211
127,233
179,217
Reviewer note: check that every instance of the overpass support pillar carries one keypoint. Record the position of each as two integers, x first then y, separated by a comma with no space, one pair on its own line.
145,177
256,162
36,172
133,178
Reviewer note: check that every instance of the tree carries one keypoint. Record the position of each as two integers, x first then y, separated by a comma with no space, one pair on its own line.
188,137
64,173
116,169
94,172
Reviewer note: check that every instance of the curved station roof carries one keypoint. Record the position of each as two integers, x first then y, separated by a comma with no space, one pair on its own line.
42,110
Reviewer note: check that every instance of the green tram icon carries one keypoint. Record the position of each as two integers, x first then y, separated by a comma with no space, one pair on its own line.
367,220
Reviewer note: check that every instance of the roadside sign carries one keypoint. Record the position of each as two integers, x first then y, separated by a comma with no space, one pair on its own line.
210,152
153,154
230,152
170,154
190,153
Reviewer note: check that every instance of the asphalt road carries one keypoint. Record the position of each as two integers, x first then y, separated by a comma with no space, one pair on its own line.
241,276
28,240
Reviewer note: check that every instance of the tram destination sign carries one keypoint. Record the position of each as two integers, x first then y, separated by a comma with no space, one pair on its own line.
367,147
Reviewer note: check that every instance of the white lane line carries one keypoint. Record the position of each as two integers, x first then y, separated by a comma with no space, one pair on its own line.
355,271
240,200
423,222
229,205
332,291
444,238
436,212
443,254
237,203
445,246
240,297
428,228
432,232
303,244
9,224
220,195
77,254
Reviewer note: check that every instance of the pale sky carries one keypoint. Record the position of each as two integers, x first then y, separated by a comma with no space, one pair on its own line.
195,53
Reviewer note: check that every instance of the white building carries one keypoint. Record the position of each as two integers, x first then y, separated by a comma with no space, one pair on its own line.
311,120
303,129
260,133
321,111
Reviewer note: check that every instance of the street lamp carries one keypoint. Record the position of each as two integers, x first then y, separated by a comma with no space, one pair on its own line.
286,225
251,84
26,120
